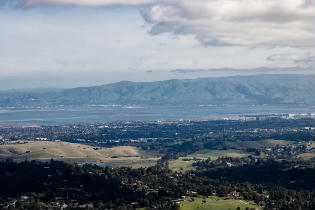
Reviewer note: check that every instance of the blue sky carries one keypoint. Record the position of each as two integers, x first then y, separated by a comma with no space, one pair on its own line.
67,43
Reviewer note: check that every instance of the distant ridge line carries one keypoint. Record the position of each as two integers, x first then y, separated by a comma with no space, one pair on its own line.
269,89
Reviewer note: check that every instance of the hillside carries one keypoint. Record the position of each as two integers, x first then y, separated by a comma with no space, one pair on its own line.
71,152
258,89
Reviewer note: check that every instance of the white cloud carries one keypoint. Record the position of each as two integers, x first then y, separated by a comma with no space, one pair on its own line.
34,3
300,59
237,22
219,22
251,34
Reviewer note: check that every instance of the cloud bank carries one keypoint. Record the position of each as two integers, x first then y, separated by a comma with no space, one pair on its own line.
219,22
36,3
91,35
237,22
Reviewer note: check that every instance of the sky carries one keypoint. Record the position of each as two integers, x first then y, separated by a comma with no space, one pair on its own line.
70,43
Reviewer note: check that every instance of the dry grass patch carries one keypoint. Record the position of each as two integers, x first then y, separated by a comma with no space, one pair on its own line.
72,152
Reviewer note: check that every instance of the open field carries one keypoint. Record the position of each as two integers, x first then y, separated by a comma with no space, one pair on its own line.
185,163
215,154
234,149
216,203
306,156
181,165
256,144
71,152
311,145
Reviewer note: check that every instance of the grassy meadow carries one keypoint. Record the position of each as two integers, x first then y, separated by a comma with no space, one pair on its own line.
216,203
234,149
185,163
79,153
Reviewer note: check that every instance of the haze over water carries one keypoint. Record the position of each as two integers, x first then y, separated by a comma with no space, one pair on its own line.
88,114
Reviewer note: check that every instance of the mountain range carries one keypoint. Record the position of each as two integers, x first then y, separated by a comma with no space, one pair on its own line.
244,90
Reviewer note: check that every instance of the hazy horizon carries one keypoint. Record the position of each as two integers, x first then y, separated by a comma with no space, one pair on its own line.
74,81
66,43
